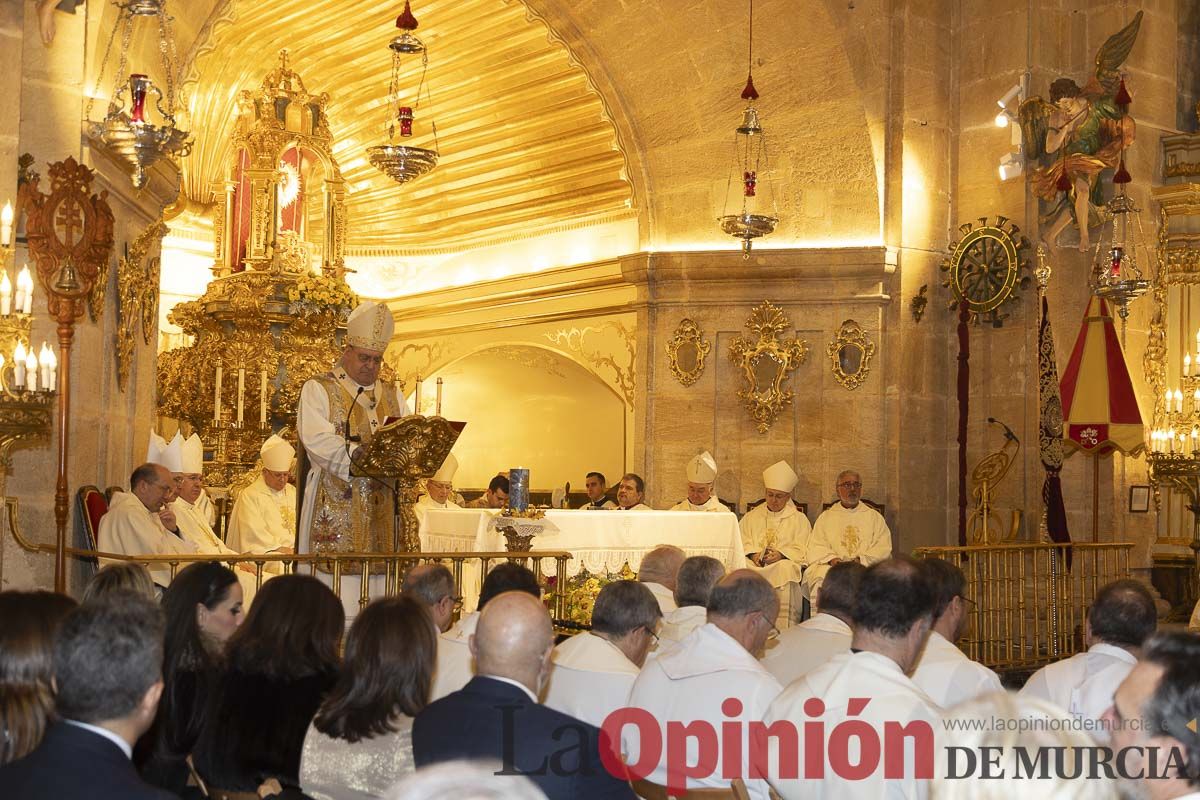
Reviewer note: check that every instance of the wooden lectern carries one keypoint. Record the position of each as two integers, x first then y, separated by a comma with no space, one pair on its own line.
399,455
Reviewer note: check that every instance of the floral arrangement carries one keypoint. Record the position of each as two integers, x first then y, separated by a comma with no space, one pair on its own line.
321,290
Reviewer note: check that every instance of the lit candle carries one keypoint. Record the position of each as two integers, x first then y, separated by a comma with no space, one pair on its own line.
417,396
262,398
31,370
1187,365
52,360
1178,402
5,295
241,393
6,220
1171,439
217,396
19,366
25,290
44,367
1195,439
439,397
1168,397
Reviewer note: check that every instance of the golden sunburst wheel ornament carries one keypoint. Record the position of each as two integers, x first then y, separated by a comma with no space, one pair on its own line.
987,267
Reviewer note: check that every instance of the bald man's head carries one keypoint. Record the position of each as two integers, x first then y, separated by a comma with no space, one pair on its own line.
514,639
661,565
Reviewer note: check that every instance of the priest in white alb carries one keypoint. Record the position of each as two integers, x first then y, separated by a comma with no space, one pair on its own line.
595,670
775,536
701,472
849,530
193,524
340,411
264,515
817,640
139,523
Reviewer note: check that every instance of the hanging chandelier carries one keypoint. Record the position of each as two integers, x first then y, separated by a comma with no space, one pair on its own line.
129,134
404,162
1121,250
751,169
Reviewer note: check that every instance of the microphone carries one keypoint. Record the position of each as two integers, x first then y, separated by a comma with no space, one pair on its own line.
350,438
1008,434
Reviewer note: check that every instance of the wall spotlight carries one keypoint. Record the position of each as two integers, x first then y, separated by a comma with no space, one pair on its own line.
1002,119
1012,165
1009,96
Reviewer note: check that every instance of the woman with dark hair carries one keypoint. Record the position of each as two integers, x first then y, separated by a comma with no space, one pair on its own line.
361,740
278,666
28,621
203,608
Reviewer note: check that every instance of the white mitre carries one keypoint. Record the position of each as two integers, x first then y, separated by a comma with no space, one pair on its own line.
702,469
445,473
193,455
370,327
277,454
780,477
164,454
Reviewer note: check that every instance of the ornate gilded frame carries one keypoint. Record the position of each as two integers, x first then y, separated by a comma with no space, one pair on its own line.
137,296
762,392
851,334
688,333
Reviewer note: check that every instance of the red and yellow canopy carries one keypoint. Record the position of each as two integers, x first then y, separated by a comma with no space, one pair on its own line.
1100,409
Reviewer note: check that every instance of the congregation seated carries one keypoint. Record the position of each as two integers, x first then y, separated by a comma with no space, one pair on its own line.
366,720
1121,618
892,615
496,495
455,664
694,582
139,523
432,585
120,576
595,670
497,716
107,677
809,645
659,570
455,780
713,676
943,671
28,622
279,665
203,608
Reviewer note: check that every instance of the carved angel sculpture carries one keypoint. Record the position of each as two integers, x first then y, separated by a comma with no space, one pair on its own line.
1076,136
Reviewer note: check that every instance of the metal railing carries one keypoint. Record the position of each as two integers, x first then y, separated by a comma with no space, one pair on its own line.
1031,600
336,567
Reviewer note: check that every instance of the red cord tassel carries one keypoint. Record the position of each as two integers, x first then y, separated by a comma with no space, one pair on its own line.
1122,175
1122,98
406,21
749,93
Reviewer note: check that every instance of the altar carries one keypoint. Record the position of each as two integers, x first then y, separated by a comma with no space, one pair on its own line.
598,541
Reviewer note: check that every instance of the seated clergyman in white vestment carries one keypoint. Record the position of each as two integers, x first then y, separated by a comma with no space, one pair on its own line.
775,535
139,523
713,677
438,489
943,671
849,530
594,671
631,492
892,615
802,648
1122,617
596,486
693,584
701,472
659,570
455,665
264,515
193,524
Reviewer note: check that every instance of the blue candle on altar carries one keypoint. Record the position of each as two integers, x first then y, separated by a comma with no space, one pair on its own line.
518,488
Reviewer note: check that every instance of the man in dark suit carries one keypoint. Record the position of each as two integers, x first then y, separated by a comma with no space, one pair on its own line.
496,716
108,673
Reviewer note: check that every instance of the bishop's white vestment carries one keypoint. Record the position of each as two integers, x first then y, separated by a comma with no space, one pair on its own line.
425,503
804,647
946,674
688,682
195,528
890,696
263,519
455,665
788,532
712,504
845,533
591,678
1084,684
129,528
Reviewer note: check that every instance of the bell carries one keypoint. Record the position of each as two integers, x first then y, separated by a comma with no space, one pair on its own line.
750,125
68,281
